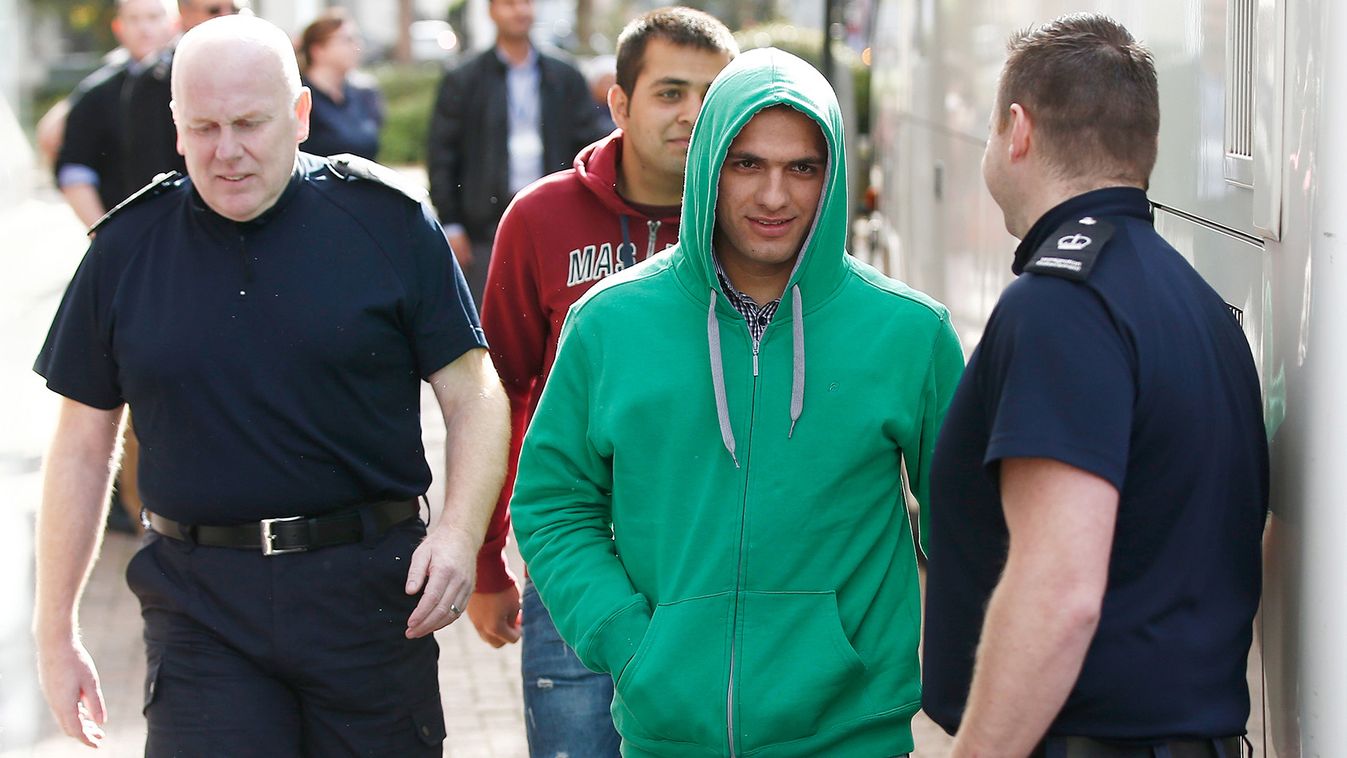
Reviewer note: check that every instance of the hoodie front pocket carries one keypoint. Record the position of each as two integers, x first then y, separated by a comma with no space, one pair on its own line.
674,688
797,667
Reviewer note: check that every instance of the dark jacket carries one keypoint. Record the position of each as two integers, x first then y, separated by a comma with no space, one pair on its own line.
467,159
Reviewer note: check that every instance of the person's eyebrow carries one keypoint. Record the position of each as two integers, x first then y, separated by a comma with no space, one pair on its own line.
744,155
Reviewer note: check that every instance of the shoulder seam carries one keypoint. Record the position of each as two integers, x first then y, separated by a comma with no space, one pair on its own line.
941,312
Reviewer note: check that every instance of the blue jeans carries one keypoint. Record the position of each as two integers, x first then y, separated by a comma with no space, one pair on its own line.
567,707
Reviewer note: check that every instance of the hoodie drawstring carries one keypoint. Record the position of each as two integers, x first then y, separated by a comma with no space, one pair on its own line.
626,253
718,379
718,369
797,372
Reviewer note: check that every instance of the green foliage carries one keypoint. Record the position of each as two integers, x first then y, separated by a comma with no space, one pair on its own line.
86,24
409,96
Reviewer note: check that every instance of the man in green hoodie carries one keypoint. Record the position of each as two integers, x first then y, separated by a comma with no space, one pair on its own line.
721,530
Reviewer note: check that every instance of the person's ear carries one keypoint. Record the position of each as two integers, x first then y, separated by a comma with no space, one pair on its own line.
1021,132
303,107
619,106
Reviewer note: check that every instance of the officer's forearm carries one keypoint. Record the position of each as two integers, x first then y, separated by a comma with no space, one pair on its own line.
1044,611
1033,645
76,479
477,419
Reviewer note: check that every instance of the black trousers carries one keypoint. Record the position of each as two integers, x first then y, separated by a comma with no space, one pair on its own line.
288,655
1085,747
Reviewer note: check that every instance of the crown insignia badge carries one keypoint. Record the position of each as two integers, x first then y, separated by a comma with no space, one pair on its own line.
1073,242
1088,221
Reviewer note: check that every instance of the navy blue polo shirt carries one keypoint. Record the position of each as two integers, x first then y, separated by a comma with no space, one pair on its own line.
1138,374
273,366
349,126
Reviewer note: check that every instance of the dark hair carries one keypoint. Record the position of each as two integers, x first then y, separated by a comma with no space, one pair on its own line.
1090,89
318,32
680,26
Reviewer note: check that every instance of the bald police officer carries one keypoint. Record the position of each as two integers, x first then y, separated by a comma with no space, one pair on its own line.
270,318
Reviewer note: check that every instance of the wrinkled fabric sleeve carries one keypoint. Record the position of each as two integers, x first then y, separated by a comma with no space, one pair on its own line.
517,327
443,162
1059,379
444,320
78,360
943,372
88,139
562,508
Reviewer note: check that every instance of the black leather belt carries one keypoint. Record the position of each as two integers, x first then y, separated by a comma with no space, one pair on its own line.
1087,747
292,534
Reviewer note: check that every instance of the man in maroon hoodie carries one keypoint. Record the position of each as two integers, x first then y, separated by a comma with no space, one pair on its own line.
618,205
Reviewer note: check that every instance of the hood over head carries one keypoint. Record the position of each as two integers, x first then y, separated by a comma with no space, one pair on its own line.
753,81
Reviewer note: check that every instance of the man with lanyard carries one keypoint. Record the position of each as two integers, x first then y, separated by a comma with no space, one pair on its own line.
270,319
1101,481
502,119
617,205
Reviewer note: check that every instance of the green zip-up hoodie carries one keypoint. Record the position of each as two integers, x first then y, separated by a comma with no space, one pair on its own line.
731,545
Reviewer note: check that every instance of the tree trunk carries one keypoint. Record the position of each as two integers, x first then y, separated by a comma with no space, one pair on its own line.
402,51
584,25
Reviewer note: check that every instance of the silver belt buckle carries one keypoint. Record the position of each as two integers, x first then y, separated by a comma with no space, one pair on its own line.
268,537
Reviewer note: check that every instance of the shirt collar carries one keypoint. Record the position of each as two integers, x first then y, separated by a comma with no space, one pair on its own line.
529,62
1111,201
296,178
733,292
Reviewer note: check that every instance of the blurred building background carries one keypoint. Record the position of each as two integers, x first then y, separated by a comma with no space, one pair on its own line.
47,46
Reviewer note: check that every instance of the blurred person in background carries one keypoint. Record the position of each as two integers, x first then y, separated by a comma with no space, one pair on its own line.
601,74
50,130
92,167
502,119
348,110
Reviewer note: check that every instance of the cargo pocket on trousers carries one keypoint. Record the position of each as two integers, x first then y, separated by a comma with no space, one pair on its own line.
429,722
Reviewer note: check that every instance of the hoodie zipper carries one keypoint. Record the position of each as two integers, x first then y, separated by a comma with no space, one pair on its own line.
739,563
653,226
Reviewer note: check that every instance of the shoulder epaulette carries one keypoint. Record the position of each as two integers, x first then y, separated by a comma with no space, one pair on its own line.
157,186
353,168
1070,252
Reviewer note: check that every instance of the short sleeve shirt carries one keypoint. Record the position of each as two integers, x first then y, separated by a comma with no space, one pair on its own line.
92,135
273,366
1139,374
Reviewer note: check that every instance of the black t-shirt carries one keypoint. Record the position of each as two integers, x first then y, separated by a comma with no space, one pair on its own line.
149,137
1139,374
273,366
93,133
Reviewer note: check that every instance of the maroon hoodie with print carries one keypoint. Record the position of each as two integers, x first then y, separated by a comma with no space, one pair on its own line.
559,236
